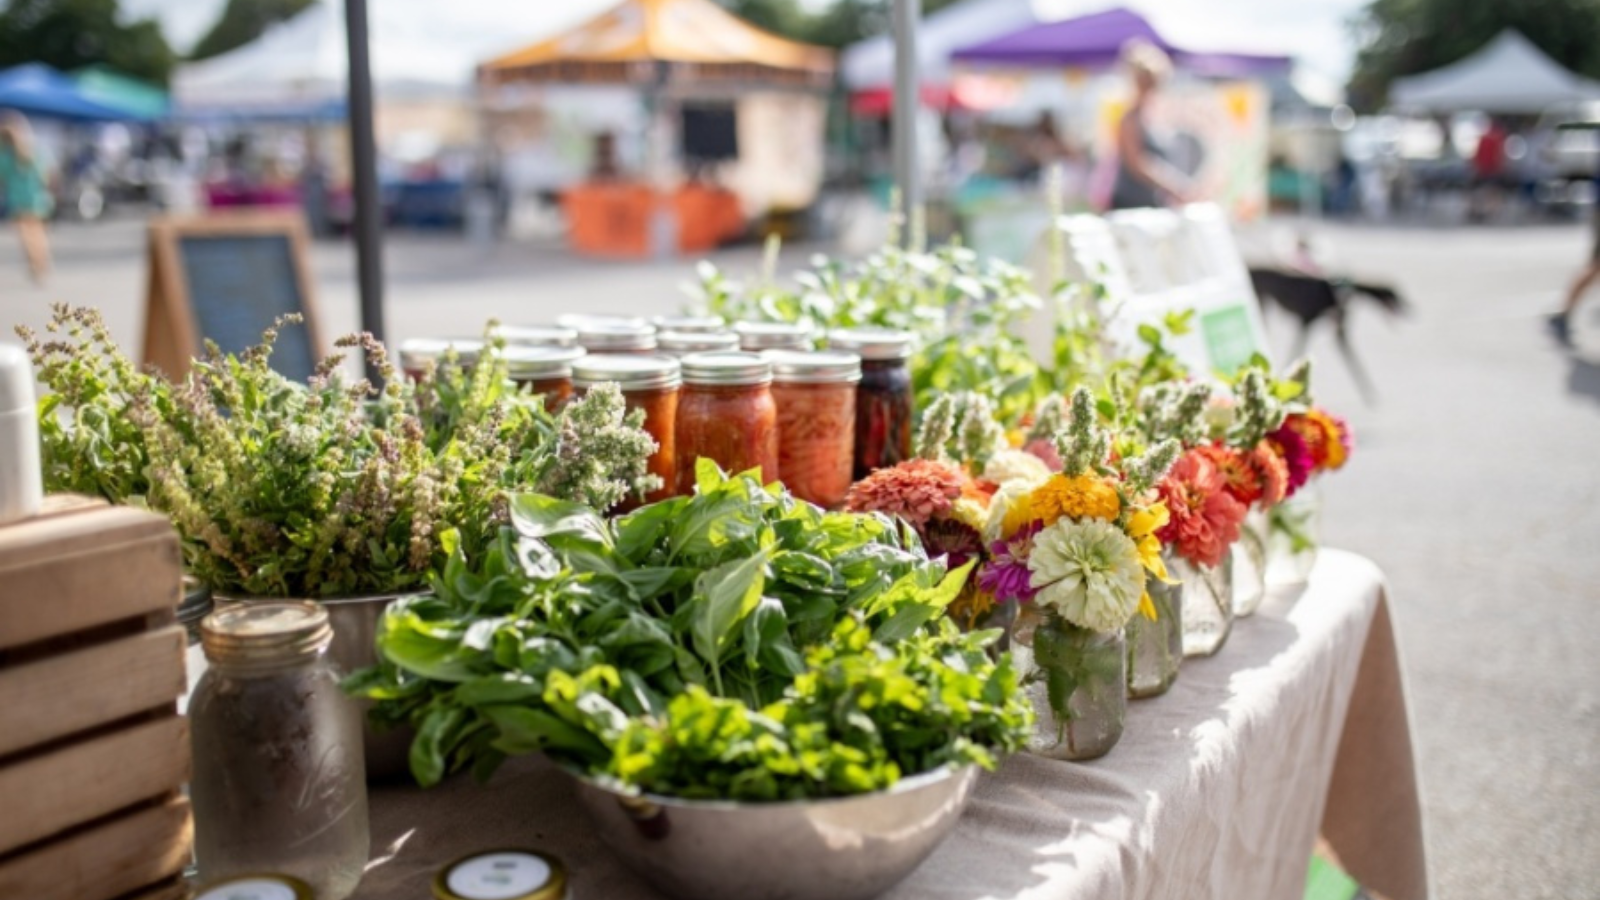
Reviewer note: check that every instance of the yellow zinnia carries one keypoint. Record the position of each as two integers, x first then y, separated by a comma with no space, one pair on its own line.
1143,524
1076,497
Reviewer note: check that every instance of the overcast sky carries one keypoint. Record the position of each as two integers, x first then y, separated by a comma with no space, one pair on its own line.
1311,30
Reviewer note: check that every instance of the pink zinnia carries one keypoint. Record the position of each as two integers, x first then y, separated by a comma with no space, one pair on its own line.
915,490
1045,449
1205,519
1006,576
1291,447
1273,471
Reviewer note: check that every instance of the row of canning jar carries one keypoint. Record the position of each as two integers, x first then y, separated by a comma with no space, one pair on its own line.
817,420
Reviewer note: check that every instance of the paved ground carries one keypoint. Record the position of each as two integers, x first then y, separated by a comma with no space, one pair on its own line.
1475,486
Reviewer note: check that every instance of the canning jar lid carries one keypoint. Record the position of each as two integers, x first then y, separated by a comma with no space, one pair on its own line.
774,335
257,887
631,373
265,633
695,324
872,343
813,367
502,875
541,362
604,337
537,335
415,352
696,341
726,367
578,321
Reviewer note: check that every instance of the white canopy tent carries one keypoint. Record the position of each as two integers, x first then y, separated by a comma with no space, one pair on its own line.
298,68
1509,75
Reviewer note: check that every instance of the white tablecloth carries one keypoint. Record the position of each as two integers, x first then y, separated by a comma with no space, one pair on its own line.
1217,790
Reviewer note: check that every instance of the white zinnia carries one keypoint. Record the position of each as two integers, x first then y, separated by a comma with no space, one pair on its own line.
1015,465
1089,572
1005,498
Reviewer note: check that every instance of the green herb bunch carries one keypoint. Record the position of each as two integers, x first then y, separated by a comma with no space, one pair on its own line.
735,644
329,488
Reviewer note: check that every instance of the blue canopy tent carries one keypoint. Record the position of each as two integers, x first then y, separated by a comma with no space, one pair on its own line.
36,89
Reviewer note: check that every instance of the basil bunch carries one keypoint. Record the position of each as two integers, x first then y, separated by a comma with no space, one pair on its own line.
735,644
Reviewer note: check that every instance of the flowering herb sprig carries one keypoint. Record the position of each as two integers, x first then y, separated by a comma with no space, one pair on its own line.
321,489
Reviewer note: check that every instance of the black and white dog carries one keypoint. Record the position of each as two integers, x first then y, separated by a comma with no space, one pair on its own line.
1310,298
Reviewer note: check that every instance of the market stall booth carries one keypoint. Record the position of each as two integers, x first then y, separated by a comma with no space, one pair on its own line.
713,95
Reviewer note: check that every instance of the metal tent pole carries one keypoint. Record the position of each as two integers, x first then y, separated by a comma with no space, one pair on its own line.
907,90
364,172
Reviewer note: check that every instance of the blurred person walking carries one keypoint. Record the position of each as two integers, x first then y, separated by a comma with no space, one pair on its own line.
1146,175
26,191
1561,322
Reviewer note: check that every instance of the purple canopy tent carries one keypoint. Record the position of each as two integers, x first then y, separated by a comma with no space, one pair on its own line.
1095,41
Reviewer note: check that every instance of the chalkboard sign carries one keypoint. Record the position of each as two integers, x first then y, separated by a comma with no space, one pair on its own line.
228,279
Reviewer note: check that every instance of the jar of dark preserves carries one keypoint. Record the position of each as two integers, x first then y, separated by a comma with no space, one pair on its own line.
884,397
649,383
726,414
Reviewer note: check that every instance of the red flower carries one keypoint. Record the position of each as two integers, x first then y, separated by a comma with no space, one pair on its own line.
1241,479
1272,470
1291,448
1205,518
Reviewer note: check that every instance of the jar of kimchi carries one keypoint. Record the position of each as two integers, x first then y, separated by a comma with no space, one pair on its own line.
726,414
884,397
816,397
649,383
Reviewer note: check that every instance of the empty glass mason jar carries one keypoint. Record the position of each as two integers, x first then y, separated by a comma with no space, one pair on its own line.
1076,680
1155,648
279,781
1249,554
1207,605
1294,529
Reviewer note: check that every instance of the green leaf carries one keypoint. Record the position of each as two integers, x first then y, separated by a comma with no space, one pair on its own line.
725,595
546,518
1149,334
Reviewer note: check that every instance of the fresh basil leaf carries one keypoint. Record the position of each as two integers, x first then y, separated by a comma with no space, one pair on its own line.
539,516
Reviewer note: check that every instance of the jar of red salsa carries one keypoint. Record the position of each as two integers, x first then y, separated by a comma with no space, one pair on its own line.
690,324
617,337
726,414
883,399
537,335
649,383
683,343
758,336
416,354
546,371
816,398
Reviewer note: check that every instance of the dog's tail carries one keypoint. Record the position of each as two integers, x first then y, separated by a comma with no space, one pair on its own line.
1387,296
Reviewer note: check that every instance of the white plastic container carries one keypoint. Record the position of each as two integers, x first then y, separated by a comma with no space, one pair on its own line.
21,490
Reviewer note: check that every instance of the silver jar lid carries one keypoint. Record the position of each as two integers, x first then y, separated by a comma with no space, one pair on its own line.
502,875
683,342
541,362
257,887
813,367
774,335
537,335
416,352
872,343
631,373
726,368
616,337
578,321
265,632
690,324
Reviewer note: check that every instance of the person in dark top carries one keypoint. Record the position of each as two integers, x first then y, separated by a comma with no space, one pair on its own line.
1146,175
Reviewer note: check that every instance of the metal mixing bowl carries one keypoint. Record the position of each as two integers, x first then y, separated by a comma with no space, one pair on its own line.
850,848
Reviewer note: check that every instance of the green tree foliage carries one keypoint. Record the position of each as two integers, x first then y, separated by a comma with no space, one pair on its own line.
242,21
837,24
1404,37
70,34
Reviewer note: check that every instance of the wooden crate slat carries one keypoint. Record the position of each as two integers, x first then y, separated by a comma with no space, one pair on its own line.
119,857
73,572
82,782
61,695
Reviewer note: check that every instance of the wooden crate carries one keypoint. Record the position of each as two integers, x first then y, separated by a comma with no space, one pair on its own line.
93,753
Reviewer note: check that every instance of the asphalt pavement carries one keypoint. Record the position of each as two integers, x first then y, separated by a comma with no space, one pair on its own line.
1475,485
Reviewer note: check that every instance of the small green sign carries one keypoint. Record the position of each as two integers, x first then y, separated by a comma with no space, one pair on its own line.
1230,341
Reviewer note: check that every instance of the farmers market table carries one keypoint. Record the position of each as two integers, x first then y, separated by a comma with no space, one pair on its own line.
1217,790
